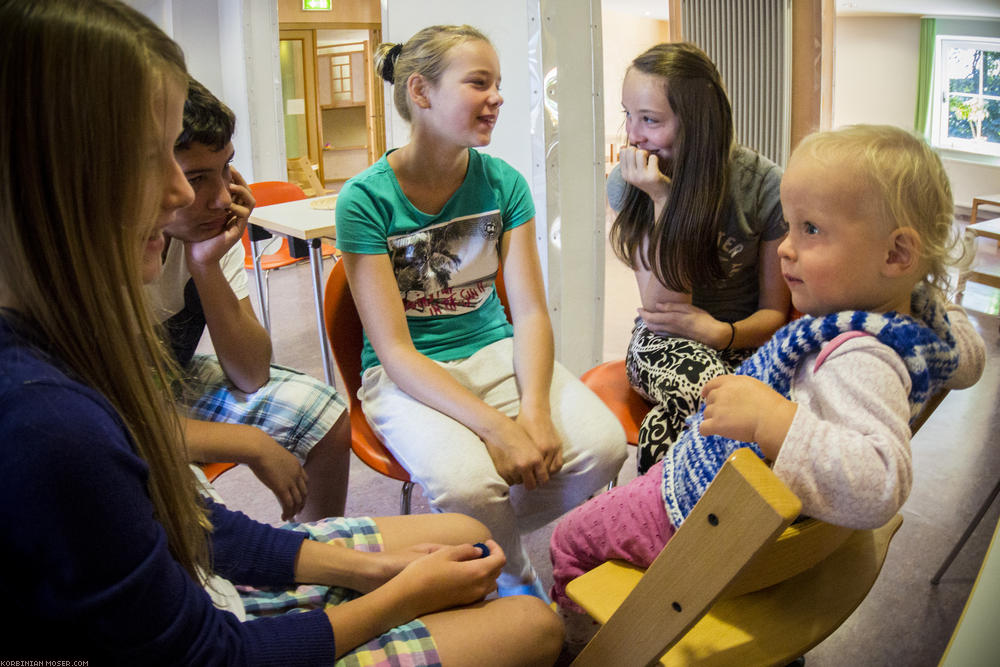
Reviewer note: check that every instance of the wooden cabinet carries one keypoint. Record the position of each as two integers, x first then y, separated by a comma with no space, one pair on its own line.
342,74
343,109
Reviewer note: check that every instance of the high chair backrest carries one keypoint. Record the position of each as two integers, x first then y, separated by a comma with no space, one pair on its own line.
300,171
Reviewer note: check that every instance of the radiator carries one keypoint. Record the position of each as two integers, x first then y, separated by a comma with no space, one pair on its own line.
750,43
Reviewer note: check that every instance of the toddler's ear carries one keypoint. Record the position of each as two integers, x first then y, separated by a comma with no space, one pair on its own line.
904,252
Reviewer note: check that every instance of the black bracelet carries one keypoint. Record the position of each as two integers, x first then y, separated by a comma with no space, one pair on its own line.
732,336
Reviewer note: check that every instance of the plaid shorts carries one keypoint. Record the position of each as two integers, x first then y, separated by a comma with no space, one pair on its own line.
295,409
404,645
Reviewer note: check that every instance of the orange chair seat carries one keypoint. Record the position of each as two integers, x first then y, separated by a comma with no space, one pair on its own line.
343,327
610,383
213,470
279,259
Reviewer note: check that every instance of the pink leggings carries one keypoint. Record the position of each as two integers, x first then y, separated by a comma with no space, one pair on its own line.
627,523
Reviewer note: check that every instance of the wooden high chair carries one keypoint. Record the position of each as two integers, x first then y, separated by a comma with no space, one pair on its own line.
737,584
301,172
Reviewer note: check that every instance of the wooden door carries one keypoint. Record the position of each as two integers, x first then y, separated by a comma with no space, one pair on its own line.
298,93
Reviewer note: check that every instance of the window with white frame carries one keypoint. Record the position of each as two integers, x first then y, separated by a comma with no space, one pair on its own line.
966,114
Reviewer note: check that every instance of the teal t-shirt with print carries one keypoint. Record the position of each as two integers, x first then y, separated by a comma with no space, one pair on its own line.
445,264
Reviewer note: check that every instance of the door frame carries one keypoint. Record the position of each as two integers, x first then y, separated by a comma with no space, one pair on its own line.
308,39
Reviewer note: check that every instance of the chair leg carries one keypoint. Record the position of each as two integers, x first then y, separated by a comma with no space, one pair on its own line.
968,532
404,499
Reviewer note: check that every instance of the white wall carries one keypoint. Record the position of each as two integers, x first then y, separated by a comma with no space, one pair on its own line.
231,46
875,81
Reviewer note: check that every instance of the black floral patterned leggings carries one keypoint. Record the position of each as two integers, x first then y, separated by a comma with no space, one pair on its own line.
669,372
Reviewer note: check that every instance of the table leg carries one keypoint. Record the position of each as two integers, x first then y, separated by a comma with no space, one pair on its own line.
258,281
316,261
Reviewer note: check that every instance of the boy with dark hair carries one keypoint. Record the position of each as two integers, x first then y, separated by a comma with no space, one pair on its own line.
282,423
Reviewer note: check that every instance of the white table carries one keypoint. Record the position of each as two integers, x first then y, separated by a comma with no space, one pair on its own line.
976,640
300,220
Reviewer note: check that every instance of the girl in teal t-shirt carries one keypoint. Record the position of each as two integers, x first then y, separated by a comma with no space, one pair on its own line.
471,404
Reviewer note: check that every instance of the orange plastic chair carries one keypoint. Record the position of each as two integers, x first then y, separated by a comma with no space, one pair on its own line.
343,328
610,383
213,470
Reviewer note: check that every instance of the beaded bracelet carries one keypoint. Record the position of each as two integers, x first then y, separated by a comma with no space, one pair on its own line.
732,336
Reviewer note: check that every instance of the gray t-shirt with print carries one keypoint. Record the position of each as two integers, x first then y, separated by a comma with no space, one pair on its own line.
756,217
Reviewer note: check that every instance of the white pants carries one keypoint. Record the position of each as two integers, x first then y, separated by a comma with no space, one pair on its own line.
457,474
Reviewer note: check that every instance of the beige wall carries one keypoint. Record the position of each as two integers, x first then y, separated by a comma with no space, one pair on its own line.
875,81
875,71
624,36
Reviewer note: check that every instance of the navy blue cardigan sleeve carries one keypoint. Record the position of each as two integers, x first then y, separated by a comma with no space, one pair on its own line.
87,560
252,553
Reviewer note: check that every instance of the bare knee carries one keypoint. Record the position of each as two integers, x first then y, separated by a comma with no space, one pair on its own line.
536,637
514,631
542,630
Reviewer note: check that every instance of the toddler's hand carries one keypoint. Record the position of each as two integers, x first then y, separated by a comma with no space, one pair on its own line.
746,409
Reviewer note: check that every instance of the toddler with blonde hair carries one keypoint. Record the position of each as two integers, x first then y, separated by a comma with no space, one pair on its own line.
828,401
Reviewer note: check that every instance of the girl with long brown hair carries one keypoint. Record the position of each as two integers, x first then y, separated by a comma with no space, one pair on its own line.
699,222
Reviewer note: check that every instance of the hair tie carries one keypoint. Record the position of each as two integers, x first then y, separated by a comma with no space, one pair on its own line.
389,66
732,337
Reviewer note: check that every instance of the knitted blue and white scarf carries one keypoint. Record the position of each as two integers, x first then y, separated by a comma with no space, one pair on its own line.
923,341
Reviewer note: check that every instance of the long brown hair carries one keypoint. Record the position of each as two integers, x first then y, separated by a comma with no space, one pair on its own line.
83,83
683,243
